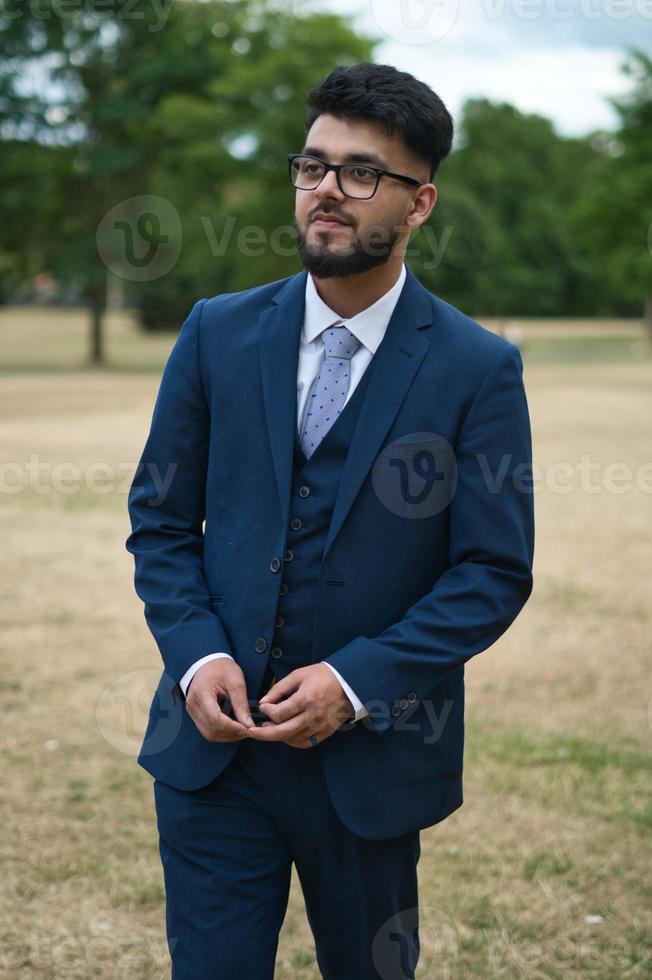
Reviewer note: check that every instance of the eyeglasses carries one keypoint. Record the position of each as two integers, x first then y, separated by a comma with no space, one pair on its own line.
307,172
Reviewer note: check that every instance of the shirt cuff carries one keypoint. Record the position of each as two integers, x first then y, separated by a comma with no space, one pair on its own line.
187,677
358,706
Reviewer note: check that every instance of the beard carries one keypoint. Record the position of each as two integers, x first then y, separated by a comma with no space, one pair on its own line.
327,259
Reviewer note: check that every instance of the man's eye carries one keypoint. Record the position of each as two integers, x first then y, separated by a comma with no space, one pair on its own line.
362,173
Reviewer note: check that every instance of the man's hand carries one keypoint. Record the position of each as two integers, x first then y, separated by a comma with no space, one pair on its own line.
208,688
315,704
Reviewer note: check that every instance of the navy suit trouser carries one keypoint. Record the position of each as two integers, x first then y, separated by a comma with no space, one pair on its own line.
227,851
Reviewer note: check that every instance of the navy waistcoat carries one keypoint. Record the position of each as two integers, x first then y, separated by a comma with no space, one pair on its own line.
314,487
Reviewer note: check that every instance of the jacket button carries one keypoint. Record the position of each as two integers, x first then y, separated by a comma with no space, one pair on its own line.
284,589
279,622
396,710
412,697
304,491
403,703
276,652
289,555
275,564
295,523
260,644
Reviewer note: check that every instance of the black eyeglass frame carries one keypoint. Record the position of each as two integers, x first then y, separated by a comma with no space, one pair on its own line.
337,167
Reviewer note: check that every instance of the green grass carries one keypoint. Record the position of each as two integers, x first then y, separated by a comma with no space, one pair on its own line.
597,779
610,349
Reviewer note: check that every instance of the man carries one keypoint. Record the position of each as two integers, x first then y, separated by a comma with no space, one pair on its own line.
358,450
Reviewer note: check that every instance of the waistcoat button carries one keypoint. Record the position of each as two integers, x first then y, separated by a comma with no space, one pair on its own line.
279,622
260,644
275,564
289,555
295,523
284,589
304,491
276,652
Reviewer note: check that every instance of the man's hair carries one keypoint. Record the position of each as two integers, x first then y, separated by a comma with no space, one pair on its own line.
396,99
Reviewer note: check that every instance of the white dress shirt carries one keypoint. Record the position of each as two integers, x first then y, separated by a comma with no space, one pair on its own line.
369,327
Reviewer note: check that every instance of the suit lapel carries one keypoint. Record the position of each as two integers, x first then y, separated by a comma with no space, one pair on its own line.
280,334
392,367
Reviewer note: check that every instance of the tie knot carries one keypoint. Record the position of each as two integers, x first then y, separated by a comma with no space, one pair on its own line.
340,342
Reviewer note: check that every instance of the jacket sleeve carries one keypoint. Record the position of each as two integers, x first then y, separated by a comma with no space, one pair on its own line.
166,506
489,574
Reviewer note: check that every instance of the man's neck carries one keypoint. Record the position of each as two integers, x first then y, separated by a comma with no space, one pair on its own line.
349,295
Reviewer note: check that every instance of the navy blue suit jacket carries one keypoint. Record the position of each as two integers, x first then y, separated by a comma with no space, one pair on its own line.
209,506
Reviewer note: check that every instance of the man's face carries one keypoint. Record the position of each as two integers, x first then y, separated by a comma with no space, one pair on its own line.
373,226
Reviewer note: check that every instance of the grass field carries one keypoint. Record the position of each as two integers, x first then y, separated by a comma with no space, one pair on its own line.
543,873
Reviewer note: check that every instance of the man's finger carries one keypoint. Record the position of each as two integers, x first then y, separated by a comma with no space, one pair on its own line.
237,692
215,720
278,733
281,689
287,709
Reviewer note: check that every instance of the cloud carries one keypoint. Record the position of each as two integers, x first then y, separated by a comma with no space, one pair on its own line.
559,58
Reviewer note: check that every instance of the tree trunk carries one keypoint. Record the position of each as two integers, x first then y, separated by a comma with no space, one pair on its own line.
647,318
97,302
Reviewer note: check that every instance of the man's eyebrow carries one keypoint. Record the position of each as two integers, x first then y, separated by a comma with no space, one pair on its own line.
316,151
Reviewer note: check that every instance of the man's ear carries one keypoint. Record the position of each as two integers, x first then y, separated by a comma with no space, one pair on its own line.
422,206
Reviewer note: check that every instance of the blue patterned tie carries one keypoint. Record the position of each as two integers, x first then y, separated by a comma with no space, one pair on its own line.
328,392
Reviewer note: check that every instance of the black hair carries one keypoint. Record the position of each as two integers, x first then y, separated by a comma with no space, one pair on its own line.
394,98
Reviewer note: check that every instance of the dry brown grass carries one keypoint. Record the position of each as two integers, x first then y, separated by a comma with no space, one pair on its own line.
555,826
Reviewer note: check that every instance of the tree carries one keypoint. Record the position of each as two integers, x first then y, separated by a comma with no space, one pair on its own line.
130,120
505,195
614,214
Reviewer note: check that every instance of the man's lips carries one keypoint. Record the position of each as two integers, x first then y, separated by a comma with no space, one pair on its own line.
327,222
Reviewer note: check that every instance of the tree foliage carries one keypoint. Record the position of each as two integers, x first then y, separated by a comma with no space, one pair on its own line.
195,105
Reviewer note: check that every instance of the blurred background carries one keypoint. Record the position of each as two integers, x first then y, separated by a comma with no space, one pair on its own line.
143,151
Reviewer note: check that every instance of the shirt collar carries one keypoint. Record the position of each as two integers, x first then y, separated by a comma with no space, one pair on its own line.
368,326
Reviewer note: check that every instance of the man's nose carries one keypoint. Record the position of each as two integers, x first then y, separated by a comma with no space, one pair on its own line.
329,186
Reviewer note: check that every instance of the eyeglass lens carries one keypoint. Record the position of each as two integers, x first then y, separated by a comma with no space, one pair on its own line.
355,180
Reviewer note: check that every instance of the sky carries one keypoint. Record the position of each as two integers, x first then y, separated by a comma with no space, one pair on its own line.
559,58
